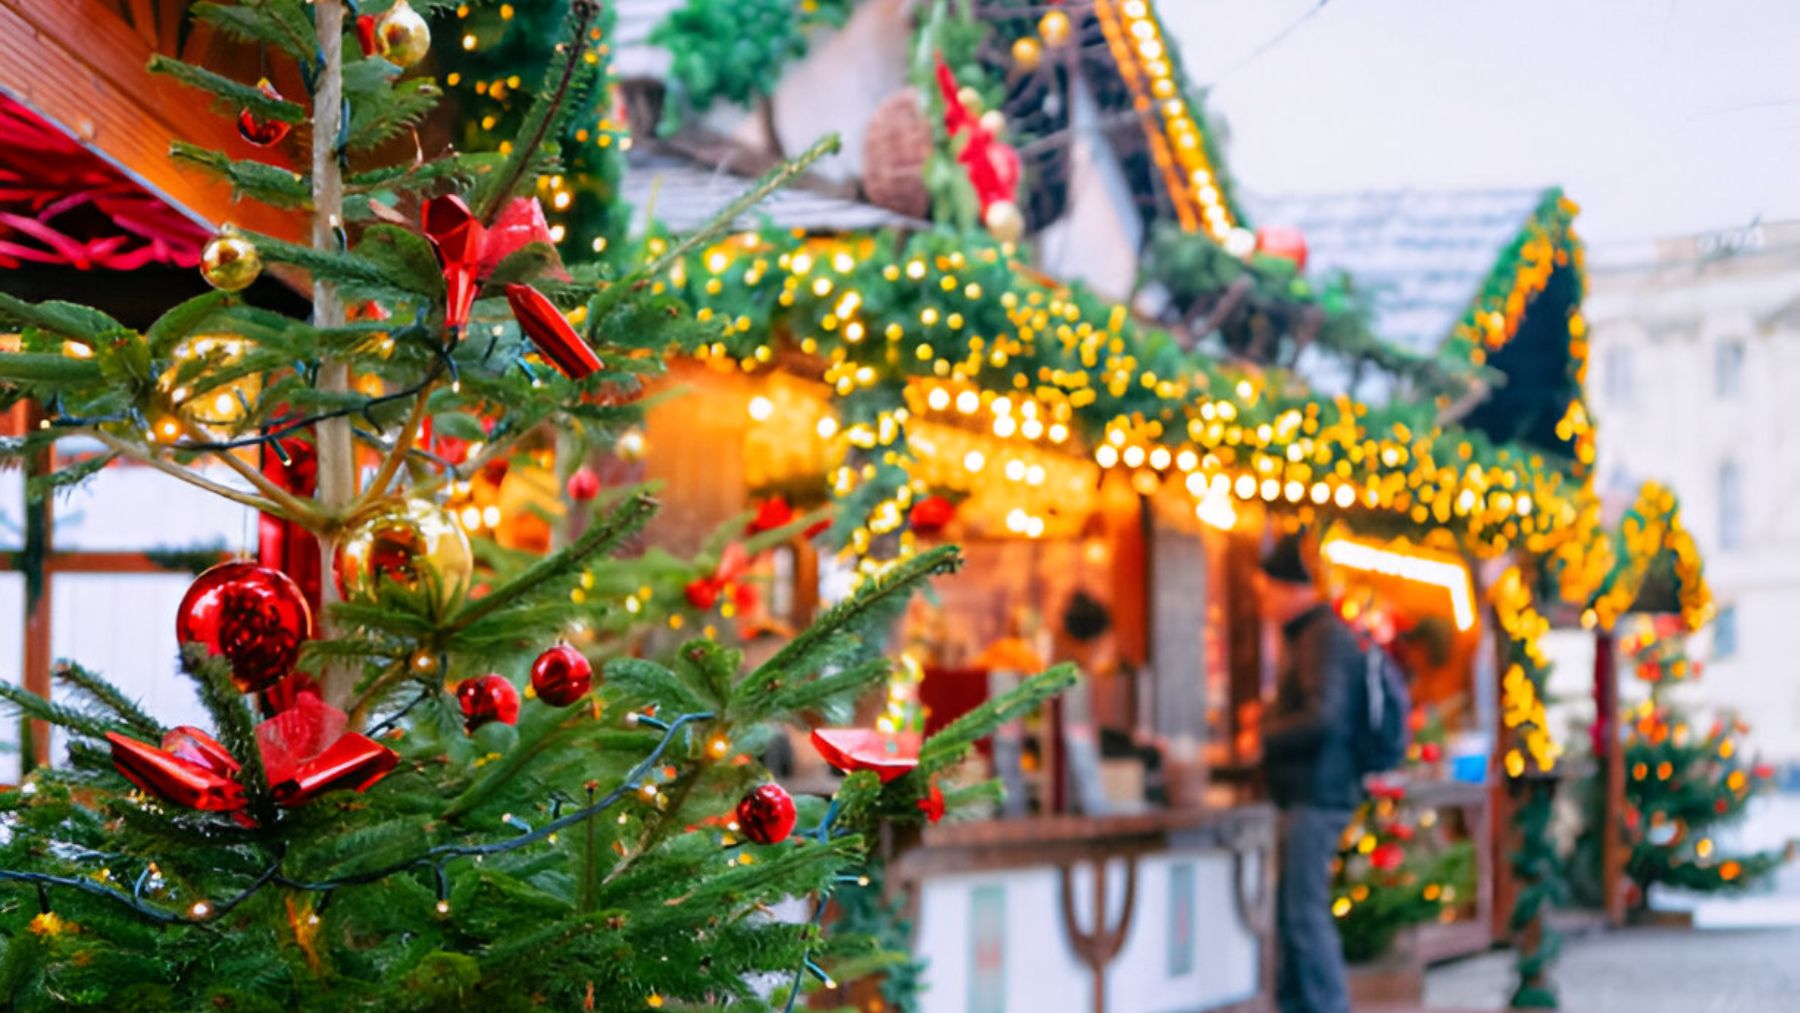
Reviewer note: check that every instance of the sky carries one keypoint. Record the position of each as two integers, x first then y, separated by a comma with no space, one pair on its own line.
1659,117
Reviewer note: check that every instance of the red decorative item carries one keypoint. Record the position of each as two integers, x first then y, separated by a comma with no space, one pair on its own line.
932,805
284,545
1282,241
63,205
932,515
766,815
457,239
488,698
549,330
365,34
734,562
561,675
519,224
255,616
260,132
288,692
854,749
771,513
584,485
992,166
206,785
1387,856
304,751
702,594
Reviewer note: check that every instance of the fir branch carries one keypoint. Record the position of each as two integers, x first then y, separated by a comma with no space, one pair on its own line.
897,582
233,93
39,487
37,708
283,25
270,184
948,744
69,320
601,536
236,728
544,113
344,268
110,697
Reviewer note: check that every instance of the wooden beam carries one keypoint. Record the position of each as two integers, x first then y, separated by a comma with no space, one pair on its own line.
80,65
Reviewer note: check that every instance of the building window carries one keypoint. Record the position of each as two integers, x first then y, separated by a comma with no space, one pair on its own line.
1620,384
1725,633
1728,368
1731,507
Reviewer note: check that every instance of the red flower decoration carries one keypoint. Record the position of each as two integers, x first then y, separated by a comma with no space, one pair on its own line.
1389,790
854,749
1387,857
703,593
992,167
932,805
1430,752
468,251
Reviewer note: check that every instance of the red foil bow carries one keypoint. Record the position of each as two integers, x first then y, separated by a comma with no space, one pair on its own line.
549,330
468,251
854,749
305,752
734,562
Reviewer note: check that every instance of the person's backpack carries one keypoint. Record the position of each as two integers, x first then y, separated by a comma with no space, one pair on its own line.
1378,735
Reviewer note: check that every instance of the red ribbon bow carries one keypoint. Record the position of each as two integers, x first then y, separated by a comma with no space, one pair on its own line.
305,752
734,562
853,749
549,330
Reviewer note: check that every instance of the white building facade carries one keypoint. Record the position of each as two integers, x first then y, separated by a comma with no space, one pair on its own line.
1695,379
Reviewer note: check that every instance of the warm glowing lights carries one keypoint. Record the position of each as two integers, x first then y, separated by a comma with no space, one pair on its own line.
1408,563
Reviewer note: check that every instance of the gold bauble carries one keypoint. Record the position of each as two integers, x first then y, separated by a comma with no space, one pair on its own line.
994,122
1053,28
187,398
230,262
1004,220
971,99
409,545
1026,53
404,36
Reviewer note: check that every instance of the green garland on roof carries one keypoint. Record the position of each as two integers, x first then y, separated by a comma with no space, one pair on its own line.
881,311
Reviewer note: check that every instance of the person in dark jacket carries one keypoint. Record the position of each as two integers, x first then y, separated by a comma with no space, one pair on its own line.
1311,774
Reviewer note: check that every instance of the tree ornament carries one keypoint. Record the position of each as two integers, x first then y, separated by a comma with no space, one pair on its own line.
561,675
932,805
253,615
367,37
190,770
1283,241
217,408
854,749
766,815
971,100
261,132
229,262
993,121
456,237
931,514
550,331
409,545
487,698
404,36
1027,53
584,485
1054,28
1004,221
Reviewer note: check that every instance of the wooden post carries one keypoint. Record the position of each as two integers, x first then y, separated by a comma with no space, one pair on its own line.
1610,749
34,562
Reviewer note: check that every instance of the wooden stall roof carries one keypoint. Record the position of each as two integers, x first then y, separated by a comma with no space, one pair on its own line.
81,64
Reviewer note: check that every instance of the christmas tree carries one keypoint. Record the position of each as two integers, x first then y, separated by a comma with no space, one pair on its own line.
379,816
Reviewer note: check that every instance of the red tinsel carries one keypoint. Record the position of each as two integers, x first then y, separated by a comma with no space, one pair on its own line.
62,204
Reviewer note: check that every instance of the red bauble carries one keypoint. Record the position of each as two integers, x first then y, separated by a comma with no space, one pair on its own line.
766,815
1282,241
253,615
261,132
931,515
489,698
584,485
1387,857
561,675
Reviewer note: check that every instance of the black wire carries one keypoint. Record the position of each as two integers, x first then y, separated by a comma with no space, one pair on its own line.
438,856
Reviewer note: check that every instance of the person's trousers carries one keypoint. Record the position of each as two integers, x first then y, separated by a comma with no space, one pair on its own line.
1310,959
